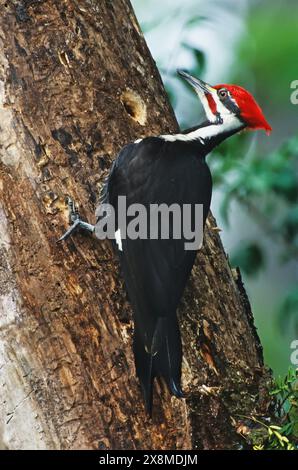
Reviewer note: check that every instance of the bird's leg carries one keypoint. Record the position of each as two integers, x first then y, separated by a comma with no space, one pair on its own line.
75,221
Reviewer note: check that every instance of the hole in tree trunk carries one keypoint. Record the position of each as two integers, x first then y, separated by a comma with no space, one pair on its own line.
134,106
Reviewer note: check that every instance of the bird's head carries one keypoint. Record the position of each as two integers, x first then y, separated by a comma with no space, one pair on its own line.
229,106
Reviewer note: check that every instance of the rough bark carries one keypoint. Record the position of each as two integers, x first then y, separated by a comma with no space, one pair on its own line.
77,82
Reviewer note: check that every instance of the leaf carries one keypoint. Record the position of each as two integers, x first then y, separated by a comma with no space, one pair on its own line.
290,446
195,20
288,428
249,258
199,58
282,439
258,447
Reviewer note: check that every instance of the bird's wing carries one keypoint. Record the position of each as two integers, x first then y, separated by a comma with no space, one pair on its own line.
156,271
156,172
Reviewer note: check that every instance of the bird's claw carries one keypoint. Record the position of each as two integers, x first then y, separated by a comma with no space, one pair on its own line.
74,221
71,230
73,211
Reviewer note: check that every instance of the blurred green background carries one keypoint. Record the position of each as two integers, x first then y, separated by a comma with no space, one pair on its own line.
251,43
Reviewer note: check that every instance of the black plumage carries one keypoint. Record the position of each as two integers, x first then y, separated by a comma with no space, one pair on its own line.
168,170
155,271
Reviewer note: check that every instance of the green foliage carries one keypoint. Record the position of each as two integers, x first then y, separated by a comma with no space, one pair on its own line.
266,187
200,60
266,181
262,52
283,434
250,257
285,392
275,440
288,310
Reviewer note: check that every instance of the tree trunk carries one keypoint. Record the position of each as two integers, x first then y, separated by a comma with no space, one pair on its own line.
77,82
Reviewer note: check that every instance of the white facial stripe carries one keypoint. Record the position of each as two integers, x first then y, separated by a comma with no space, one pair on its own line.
210,116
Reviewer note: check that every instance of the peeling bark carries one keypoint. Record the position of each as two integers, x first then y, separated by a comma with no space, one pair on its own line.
77,82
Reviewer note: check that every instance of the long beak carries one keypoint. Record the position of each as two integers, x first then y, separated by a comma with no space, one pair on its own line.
199,85
206,93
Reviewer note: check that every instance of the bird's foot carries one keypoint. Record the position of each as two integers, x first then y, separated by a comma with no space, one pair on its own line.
75,221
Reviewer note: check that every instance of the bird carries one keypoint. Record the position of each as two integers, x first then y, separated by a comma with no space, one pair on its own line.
168,169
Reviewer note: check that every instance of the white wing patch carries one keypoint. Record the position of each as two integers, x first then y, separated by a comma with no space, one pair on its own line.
118,239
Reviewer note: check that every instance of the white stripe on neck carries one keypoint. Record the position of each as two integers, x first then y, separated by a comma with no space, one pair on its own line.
230,123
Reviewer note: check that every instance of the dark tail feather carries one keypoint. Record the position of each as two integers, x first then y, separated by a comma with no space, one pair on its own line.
167,362
164,360
143,363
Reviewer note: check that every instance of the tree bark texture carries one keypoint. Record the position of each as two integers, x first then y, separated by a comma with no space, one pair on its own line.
77,82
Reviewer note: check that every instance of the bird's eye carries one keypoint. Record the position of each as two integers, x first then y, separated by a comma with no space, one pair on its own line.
223,93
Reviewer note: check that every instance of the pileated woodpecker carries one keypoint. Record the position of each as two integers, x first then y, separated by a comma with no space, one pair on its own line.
169,169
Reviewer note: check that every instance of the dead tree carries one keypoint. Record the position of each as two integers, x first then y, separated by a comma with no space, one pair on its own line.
77,82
